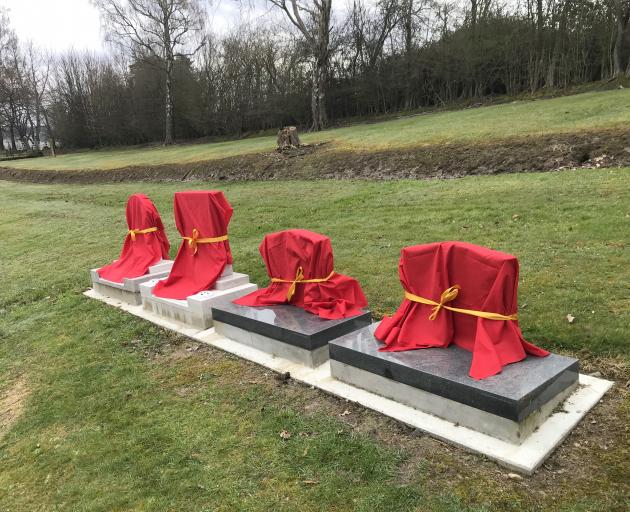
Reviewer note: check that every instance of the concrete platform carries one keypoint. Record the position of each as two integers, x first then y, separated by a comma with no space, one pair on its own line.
508,406
284,331
196,310
129,290
525,457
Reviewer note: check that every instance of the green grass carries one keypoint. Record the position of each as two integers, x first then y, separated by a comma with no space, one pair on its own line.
109,426
569,114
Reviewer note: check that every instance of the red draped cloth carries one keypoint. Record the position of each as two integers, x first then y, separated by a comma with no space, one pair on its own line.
333,296
488,281
140,250
199,214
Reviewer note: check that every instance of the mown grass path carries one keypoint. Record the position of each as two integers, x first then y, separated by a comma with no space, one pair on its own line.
121,415
570,114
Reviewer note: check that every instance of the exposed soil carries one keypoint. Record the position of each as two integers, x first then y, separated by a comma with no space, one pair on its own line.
323,161
12,405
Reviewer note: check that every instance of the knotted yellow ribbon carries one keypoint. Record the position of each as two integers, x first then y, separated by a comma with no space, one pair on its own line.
134,232
194,240
299,278
449,295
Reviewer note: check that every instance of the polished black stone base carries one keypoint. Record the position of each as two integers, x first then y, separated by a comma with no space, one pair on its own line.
519,390
288,324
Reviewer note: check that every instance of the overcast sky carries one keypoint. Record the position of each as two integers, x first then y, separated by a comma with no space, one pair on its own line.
63,24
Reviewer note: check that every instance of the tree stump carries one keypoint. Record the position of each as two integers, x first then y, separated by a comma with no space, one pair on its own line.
288,138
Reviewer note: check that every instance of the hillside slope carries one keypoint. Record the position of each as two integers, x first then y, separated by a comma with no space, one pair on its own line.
587,129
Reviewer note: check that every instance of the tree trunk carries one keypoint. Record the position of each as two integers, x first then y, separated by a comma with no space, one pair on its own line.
320,68
318,97
12,137
51,134
623,13
288,138
551,71
408,26
168,101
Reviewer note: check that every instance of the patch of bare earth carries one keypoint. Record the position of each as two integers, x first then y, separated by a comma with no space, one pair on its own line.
12,405
605,148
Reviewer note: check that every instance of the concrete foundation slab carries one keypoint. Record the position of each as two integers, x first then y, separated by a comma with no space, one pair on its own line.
196,310
129,290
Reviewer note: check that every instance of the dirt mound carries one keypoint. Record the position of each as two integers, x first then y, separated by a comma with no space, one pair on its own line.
451,160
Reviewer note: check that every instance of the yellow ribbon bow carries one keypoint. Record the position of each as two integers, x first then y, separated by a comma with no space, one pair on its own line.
134,232
194,240
449,295
299,278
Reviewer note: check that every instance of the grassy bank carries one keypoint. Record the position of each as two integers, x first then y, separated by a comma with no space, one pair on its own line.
117,414
571,114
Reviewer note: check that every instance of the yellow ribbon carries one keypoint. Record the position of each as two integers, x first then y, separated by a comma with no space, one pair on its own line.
449,295
299,278
194,240
134,232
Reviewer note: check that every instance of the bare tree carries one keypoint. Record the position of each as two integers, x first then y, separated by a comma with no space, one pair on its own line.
158,29
37,76
312,19
622,15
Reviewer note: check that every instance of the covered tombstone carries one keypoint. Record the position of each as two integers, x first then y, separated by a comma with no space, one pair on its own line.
145,244
300,265
459,293
202,218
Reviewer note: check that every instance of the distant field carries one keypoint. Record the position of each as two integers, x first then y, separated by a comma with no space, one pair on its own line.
569,114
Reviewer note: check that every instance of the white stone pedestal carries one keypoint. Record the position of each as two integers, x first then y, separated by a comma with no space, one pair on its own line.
196,310
129,290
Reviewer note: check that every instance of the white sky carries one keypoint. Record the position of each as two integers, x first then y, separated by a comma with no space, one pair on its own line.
56,24
59,25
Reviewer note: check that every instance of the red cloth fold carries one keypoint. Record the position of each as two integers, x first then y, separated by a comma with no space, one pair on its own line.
284,252
489,282
209,212
146,250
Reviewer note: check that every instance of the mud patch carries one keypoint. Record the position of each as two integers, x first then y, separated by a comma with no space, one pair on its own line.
451,160
12,405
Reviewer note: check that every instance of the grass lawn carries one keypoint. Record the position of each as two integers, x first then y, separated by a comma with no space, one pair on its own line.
118,414
569,114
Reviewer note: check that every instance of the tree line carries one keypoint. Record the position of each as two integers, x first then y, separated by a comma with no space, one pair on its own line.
167,76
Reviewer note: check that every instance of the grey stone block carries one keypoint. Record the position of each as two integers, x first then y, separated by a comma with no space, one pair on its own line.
284,331
509,405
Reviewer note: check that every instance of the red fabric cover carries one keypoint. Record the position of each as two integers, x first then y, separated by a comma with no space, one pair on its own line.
148,249
489,282
209,212
284,252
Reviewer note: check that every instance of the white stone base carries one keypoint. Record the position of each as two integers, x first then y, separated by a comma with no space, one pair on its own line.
455,412
129,290
196,310
310,358
525,457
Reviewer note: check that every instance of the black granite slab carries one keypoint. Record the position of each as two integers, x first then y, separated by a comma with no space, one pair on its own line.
520,389
289,324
